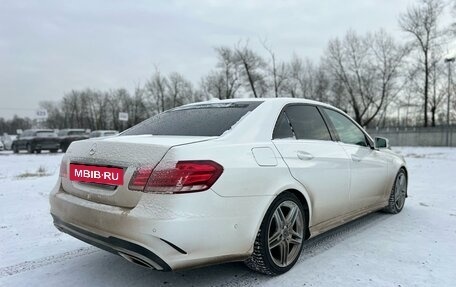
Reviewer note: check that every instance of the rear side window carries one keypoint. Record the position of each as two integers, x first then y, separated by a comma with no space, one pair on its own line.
197,120
283,129
307,123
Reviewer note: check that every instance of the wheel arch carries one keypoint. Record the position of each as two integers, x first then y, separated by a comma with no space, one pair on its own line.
304,199
305,206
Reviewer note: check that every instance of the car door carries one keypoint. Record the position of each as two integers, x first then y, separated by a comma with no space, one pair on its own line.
314,159
22,138
368,167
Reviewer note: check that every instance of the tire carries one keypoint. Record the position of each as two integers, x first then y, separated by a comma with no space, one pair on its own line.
284,226
398,193
15,149
38,151
29,148
53,150
64,147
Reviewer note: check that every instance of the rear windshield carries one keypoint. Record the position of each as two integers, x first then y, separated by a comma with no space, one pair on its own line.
197,120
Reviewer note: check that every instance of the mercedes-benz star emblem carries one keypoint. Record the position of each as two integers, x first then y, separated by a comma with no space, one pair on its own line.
93,149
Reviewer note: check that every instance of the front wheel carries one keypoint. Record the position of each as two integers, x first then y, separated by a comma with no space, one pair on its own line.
279,241
398,193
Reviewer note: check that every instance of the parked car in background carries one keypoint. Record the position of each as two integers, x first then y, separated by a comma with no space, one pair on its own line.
2,147
36,140
67,136
225,181
103,133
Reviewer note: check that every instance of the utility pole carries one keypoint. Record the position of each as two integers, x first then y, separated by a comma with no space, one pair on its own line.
449,61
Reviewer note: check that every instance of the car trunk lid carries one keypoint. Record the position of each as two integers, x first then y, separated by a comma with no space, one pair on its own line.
121,153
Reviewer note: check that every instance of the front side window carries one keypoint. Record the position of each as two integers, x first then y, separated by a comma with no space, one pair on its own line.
211,119
307,123
348,132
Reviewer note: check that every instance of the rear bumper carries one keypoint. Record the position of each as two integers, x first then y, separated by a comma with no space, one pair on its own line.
130,251
166,232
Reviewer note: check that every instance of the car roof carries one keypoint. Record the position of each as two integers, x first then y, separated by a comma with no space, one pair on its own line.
72,130
105,131
40,130
282,101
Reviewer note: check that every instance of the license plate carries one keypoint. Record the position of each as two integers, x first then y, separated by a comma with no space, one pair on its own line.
96,174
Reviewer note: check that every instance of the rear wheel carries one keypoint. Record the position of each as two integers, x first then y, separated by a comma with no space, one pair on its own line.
29,148
398,193
279,241
64,147
15,149
38,151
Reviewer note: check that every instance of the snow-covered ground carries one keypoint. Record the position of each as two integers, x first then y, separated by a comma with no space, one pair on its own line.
414,248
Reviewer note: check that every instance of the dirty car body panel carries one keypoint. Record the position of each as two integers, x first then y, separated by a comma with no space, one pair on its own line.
237,142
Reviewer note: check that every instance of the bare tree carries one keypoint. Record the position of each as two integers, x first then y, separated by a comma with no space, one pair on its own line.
367,68
252,69
453,12
277,70
322,85
296,71
421,22
155,90
228,74
179,90
303,79
213,86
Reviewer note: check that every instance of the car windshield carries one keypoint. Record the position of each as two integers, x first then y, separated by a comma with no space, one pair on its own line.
211,119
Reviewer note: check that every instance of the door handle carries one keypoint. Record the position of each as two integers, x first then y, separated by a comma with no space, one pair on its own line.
355,158
302,155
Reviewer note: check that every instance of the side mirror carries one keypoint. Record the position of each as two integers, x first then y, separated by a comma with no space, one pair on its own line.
381,142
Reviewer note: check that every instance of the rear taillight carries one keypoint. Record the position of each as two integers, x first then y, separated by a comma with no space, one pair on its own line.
139,179
183,176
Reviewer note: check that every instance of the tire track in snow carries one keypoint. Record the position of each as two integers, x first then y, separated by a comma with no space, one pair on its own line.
53,259
316,246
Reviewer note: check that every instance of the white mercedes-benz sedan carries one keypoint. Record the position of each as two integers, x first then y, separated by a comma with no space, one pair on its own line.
233,180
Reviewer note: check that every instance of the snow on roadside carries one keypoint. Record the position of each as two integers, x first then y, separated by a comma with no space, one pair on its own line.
414,248
26,228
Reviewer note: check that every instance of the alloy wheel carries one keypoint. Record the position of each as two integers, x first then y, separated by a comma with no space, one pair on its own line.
400,191
285,236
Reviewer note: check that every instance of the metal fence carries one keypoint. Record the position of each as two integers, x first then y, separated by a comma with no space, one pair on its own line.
417,136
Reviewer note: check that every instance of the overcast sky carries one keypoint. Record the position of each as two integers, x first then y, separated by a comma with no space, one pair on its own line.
48,48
